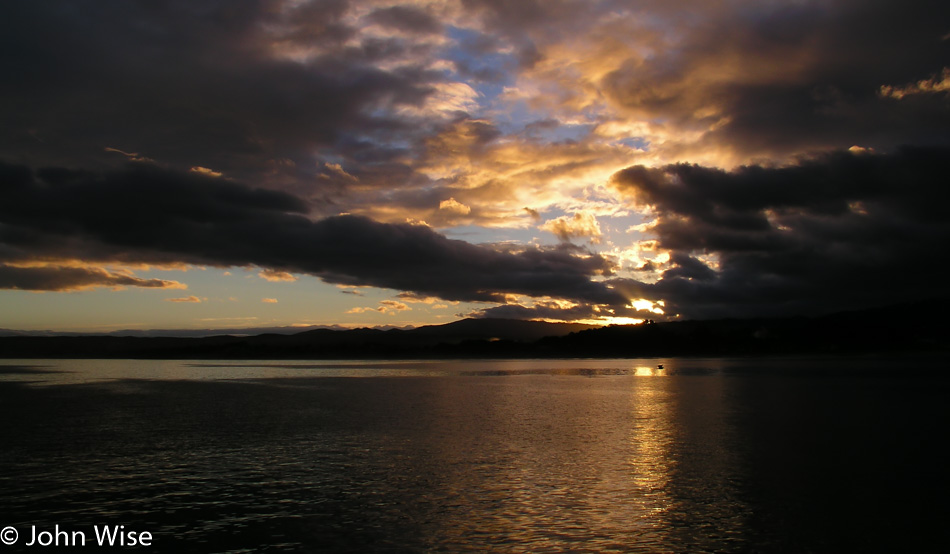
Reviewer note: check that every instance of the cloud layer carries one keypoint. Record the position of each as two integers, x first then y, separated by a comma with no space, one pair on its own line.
490,106
145,214
839,230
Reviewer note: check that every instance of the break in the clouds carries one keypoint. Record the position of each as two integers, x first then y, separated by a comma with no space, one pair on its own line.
840,230
699,151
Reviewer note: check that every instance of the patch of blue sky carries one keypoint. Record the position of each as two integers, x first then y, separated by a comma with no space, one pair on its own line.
561,133
481,235
485,70
640,143
518,117
514,117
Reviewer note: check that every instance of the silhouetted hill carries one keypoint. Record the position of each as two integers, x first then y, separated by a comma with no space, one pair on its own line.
498,329
209,332
917,327
920,326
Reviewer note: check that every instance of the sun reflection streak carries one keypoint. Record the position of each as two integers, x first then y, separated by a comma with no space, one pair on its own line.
645,371
651,441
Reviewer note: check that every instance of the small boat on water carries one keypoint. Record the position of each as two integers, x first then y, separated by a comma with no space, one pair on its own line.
660,366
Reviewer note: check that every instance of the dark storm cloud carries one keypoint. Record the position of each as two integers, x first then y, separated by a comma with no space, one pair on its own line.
406,18
771,81
147,214
541,310
64,278
835,231
249,87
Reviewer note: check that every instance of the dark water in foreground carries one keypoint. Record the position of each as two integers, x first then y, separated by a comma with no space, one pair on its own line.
502,456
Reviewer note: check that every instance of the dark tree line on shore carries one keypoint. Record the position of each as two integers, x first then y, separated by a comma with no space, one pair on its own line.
920,327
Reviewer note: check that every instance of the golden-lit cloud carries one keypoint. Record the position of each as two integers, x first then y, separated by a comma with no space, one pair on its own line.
447,100
338,170
131,156
580,225
385,307
937,83
73,275
276,276
187,299
269,300
502,181
393,305
205,171
454,206
414,298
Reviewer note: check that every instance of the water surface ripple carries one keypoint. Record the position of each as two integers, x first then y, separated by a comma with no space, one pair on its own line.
476,456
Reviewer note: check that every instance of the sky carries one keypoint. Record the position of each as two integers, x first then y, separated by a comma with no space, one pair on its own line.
188,164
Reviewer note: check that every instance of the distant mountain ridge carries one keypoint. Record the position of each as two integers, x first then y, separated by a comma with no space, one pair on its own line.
917,327
207,332
321,342
513,329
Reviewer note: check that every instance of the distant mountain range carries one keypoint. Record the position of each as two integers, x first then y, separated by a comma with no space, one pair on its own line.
917,327
210,332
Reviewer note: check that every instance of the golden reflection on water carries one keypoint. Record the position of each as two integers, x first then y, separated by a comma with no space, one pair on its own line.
505,456
646,371
553,462
650,459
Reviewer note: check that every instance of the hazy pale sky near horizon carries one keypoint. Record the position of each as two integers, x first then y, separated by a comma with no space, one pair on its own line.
249,163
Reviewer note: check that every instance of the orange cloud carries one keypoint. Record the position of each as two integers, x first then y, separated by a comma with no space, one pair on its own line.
581,225
937,83
453,205
392,305
385,307
205,171
276,276
414,298
187,299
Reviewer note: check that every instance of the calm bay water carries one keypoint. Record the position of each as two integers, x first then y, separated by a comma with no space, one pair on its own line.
711,455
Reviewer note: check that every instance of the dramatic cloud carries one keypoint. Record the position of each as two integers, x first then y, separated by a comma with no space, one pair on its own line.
727,84
367,132
462,112
251,89
66,278
147,214
835,231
